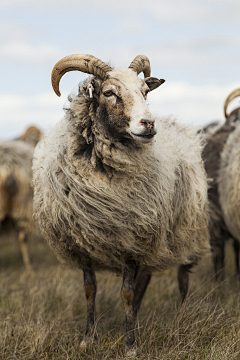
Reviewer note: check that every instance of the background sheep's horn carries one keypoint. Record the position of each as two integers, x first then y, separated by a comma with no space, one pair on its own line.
81,62
232,96
141,63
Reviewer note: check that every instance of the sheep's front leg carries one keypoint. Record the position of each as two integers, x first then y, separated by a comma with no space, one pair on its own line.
183,279
127,295
90,287
236,251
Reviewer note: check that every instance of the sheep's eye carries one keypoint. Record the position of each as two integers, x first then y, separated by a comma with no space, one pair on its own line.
108,93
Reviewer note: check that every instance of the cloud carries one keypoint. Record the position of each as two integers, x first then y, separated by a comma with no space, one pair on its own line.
202,51
131,24
173,11
29,54
193,11
178,53
19,112
196,105
10,31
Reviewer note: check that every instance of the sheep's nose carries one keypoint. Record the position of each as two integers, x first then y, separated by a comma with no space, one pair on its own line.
148,123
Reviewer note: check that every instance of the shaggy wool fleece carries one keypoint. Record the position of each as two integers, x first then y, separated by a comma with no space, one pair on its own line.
106,201
229,183
15,182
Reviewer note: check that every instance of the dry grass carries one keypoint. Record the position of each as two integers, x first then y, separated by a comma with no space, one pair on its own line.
43,313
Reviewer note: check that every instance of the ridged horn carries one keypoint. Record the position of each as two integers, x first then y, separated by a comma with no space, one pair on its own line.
81,62
140,64
232,96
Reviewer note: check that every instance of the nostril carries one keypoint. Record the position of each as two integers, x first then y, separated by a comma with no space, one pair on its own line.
148,123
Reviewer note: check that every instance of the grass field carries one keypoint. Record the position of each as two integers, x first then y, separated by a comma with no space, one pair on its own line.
43,313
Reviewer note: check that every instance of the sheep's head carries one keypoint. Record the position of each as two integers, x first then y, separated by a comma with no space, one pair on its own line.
31,136
119,93
230,97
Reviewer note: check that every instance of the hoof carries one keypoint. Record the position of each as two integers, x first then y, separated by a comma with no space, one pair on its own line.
87,341
84,343
131,351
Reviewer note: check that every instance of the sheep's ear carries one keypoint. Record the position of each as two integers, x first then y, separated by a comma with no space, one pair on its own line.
96,85
153,82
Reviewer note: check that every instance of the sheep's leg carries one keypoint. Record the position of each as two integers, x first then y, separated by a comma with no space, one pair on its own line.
22,239
236,250
141,283
218,259
183,279
127,295
90,287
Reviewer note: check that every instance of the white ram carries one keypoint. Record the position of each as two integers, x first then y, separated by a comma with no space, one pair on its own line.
117,188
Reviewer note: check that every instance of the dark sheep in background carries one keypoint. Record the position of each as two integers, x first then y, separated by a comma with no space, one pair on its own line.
216,139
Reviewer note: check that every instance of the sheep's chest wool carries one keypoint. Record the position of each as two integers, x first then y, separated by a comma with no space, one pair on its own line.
148,207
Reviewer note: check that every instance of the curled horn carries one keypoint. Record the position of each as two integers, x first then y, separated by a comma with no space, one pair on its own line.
81,62
232,96
141,63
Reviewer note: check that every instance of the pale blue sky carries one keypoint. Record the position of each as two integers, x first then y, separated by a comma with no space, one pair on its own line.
194,45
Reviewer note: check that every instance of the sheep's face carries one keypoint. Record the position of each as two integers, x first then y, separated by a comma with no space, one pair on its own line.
123,108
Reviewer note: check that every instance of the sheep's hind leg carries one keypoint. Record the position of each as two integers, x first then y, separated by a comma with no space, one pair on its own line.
218,259
127,295
90,287
141,283
183,280
22,239
236,250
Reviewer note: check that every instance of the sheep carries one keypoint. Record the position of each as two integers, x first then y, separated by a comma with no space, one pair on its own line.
216,138
31,136
112,193
229,183
15,190
228,180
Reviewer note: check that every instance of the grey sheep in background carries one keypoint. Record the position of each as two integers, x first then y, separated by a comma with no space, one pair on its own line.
16,193
229,181
216,138
112,193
